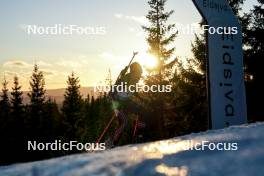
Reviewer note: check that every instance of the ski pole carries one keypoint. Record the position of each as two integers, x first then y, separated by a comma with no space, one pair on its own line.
106,128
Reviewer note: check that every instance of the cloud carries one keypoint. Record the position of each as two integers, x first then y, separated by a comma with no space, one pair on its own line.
139,19
65,63
17,63
118,15
107,56
43,64
10,73
47,72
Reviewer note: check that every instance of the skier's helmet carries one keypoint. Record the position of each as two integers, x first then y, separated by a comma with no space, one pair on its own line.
135,69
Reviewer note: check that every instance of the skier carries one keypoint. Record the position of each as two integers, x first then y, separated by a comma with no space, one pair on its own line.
122,102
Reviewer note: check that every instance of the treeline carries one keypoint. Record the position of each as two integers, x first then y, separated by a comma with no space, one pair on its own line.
80,119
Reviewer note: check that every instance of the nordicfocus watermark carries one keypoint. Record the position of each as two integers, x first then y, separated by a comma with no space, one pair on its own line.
123,87
66,146
62,29
207,145
72,29
195,28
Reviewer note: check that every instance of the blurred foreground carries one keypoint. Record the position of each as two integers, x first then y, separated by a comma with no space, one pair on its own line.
162,157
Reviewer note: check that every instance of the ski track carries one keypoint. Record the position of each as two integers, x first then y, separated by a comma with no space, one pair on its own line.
161,158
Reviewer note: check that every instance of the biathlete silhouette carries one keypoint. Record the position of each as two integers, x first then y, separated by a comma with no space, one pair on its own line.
123,104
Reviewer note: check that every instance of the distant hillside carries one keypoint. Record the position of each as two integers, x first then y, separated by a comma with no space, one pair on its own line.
58,94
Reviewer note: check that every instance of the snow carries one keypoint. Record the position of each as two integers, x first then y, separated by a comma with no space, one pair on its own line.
166,157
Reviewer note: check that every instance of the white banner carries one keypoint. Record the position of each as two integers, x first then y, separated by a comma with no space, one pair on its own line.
225,56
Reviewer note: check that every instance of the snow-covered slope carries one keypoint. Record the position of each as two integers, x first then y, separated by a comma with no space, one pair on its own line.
166,157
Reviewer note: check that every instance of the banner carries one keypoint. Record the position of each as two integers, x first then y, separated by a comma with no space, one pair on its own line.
227,99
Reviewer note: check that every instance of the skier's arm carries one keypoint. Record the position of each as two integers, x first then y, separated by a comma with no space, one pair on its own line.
112,93
121,75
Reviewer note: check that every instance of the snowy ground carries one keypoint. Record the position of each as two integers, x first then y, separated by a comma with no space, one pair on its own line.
166,157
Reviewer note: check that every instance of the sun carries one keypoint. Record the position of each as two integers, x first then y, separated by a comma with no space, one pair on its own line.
148,61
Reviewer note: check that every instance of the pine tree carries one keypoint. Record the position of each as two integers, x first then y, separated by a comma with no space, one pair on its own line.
254,55
189,91
37,98
37,93
17,114
16,99
16,141
236,5
4,123
4,104
37,84
86,135
257,42
109,80
160,36
52,121
72,106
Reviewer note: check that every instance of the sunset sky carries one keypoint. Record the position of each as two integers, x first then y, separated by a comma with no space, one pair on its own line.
90,56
